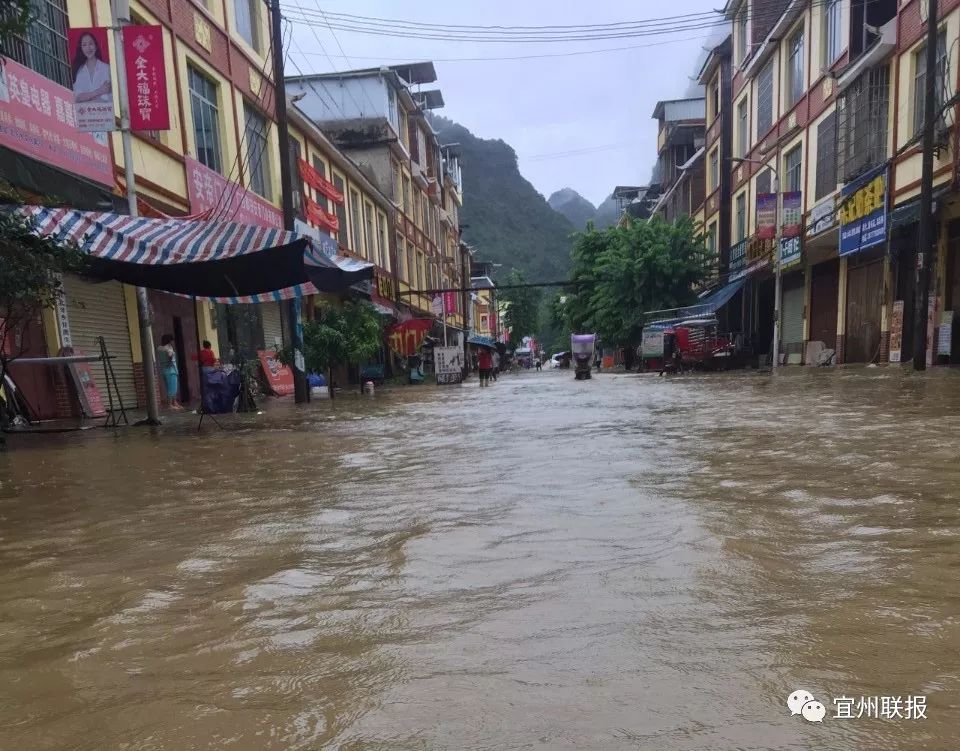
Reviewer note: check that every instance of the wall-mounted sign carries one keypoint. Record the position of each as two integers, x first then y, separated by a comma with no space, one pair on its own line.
227,201
823,216
146,77
737,265
789,251
863,212
792,219
91,78
38,119
896,330
448,364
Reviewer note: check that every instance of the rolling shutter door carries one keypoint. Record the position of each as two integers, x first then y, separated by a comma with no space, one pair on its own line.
792,336
99,309
272,324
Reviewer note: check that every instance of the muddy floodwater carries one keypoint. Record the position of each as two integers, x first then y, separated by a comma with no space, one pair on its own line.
631,562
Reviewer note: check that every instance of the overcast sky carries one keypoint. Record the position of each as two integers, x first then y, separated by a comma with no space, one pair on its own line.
544,107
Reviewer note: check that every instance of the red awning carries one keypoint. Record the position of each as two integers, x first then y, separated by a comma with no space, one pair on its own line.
317,215
319,182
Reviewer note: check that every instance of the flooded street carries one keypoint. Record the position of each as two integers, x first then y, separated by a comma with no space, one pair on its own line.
624,563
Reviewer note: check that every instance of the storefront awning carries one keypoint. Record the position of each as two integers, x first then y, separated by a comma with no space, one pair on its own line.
223,261
708,304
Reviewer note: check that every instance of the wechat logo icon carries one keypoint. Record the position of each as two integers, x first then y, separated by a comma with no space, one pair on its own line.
804,704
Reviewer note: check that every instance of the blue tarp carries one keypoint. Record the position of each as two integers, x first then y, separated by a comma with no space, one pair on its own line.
708,305
482,341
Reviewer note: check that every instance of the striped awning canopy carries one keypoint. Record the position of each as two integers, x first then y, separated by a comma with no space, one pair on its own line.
222,261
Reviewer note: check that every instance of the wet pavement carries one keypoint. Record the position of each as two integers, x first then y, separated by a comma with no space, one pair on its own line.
626,563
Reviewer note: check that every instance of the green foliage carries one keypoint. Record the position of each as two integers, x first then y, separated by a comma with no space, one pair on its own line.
506,219
339,336
15,17
621,272
523,314
30,269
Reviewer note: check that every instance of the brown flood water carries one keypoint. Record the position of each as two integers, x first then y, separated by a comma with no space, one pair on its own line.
624,563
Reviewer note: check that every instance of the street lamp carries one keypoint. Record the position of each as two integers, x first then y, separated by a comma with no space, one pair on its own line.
776,257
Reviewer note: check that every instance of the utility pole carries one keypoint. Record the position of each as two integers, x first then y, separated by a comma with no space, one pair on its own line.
300,392
120,11
925,253
778,281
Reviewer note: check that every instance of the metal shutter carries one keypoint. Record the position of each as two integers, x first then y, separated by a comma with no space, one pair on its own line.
272,324
99,309
792,335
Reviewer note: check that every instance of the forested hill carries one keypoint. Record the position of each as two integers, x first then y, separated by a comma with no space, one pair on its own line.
509,221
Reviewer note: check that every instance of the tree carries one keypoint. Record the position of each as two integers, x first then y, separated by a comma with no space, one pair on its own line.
15,17
522,316
341,336
30,276
620,272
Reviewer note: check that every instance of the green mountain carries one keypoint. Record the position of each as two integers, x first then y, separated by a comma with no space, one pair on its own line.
577,209
509,222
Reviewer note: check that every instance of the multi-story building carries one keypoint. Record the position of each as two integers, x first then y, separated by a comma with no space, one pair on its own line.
218,159
827,97
680,148
380,118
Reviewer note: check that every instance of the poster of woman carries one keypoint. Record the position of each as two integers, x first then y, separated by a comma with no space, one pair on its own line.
92,79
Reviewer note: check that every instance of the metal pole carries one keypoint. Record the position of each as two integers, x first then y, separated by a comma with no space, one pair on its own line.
121,15
925,230
300,392
777,275
443,297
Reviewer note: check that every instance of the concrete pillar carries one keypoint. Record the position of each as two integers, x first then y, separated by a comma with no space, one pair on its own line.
807,280
885,309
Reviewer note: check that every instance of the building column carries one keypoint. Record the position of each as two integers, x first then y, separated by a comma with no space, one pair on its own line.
842,312
807,286
885,308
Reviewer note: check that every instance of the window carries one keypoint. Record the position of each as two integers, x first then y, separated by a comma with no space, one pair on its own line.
862,124
920,79
44,48
247,14
411,265
743,127
321,168
741,39
764,181
356,241
831,32
396,191
826,156
258,151
401,258
795,82
368,233
792,170
714,169
206,119
341,208
425,206
295,177
407,201
712,239
392,108
382,250
741,217
765,100
714,100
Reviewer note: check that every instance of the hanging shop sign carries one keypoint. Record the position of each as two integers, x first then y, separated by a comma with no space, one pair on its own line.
227,201
326,244
792,211
92,79
737,265
450,302
279,377
38,119
790,251
405,338
146,77
823,217
448,364
863,212
766,216
896,330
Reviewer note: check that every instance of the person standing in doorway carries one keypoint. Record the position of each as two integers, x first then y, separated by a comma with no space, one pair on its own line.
169,372
484,365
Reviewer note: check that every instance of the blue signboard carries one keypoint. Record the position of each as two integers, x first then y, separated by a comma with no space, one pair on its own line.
863,212
737,265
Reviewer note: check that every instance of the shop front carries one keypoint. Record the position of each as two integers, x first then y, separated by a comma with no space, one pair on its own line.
822,271
791,301
176,316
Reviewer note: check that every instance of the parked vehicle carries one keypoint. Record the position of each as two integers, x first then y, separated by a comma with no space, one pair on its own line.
560,360
582,346
692,343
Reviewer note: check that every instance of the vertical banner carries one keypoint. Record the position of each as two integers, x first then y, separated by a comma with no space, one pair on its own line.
766,216
146,77
92,81
450,302
896,331
792,214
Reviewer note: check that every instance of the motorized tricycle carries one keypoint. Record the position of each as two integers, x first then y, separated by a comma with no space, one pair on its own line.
582,346
690,344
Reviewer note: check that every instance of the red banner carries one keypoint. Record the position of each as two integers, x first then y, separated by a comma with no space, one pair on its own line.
450,302
92,79
280,377
318,181
405,338
317,215
146,77
37,119
227,201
